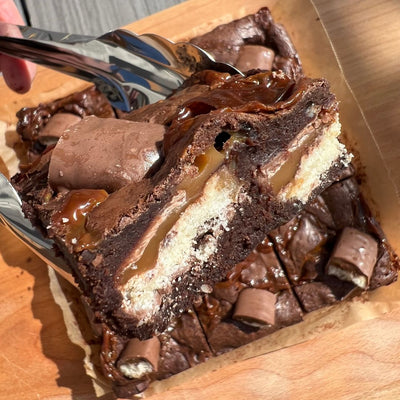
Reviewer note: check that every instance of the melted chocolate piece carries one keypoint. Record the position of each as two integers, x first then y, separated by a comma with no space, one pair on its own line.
255,57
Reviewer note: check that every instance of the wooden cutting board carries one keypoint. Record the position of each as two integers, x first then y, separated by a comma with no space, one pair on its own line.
38,359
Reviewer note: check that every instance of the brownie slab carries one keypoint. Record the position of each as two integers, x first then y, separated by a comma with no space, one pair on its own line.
237,162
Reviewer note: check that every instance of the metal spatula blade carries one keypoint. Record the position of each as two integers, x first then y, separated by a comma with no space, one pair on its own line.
13,218
131,70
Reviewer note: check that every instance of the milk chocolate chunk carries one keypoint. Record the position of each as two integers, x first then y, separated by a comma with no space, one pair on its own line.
56,126
113,153
301,247
343,201
262,269
255,307
354,257
139,358
253,57
32,121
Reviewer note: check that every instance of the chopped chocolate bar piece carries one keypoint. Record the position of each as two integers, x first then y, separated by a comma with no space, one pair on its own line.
113,153
139,358
233,43
56,126
354,257
238,162
38,129
254,56
301,247
255,307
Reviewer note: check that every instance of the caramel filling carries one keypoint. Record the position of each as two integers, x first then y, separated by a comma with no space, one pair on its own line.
288,168
72,218
206,163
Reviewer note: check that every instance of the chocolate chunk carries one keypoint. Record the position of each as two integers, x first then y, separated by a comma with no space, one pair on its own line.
255,307
343,201
262,269
354,257
253,57
300,245
288,310
228,290
113,153
31,121
139,358
56,126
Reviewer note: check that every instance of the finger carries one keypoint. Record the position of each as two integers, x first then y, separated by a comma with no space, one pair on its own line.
9,12
18,74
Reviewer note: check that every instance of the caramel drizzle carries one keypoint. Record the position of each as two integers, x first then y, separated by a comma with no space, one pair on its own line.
71,218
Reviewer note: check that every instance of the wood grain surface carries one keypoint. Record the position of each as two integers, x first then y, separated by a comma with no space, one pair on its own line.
90,17
39,361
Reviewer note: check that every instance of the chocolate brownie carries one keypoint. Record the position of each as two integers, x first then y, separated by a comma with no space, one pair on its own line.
237,162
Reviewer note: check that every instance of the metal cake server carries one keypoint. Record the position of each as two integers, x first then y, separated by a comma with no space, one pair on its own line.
131,70
13,218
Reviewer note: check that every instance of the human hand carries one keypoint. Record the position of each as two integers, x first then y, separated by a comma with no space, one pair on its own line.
18,74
